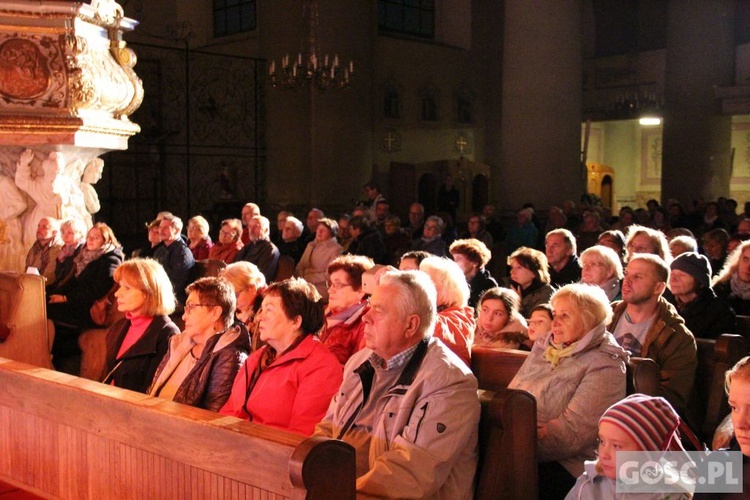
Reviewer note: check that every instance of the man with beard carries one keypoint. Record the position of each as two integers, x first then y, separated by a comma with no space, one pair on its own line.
648,326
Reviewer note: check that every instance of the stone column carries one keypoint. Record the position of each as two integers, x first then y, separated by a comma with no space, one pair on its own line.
541,105
697,138
67,87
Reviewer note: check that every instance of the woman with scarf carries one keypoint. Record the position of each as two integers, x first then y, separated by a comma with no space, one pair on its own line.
575,373
288,383
343,331
73,236
70,307
137,343
313,266
201,362
733,282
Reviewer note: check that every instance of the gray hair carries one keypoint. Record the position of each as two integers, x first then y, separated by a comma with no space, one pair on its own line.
415,294
175,221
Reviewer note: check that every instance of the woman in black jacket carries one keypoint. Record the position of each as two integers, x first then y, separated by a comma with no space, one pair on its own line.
70,307
137,343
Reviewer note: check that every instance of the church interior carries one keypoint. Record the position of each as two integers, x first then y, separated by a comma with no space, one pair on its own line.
198,107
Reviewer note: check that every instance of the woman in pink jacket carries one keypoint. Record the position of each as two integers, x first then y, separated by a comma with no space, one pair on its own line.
288,383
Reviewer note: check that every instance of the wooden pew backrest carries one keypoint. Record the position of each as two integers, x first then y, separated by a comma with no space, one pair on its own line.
67,437
708,404
507,446
23,317
495,368
643,377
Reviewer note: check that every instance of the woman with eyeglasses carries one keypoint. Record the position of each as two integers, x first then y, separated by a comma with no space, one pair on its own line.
249,284
137,343
288,383
229,243
601,266
343,331
201,363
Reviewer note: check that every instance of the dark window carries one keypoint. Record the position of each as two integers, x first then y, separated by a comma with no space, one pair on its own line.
409,17
234,16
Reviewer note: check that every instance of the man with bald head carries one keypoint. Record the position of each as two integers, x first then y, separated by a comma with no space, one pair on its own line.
259,250
408,404
43,253
249,211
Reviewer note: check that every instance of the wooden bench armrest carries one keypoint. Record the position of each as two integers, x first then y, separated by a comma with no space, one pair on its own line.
325,468
728,349
507,446
643,377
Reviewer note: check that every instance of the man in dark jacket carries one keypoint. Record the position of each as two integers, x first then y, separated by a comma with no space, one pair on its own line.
175,255
259,250
367,241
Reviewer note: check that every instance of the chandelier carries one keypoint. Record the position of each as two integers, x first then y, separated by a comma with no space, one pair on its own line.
310,68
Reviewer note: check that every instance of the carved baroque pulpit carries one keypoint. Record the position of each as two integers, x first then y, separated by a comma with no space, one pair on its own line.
67,88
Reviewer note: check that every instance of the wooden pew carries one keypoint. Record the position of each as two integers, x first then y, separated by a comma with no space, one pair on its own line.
708,404
507,446
495,368
67,437
23,319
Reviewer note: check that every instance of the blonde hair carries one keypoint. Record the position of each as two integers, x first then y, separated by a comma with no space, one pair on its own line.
148,276
732,264
741,370
608,256
243,275
201,223
590,300
449,280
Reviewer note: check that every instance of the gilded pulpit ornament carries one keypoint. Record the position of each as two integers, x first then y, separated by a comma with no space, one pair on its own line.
67,89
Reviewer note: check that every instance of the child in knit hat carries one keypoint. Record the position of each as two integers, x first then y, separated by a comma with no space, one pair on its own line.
636,423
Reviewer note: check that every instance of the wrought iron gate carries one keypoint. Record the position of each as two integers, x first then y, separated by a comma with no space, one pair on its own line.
202,146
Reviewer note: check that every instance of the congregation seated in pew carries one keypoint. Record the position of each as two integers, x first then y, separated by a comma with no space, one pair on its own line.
70,307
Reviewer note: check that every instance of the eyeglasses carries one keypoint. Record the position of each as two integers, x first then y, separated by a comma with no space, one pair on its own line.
589,265
336,286
230,234
190,306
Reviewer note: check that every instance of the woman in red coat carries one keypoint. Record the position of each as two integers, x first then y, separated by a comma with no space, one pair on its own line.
344,332
288,383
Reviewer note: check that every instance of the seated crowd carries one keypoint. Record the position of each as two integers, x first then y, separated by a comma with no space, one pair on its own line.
355,349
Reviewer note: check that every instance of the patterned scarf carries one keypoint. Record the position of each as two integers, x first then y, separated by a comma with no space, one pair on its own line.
555,353
39,253
86,256
66,251
739,288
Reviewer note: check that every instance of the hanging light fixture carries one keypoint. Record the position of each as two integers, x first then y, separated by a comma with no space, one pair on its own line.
310,67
